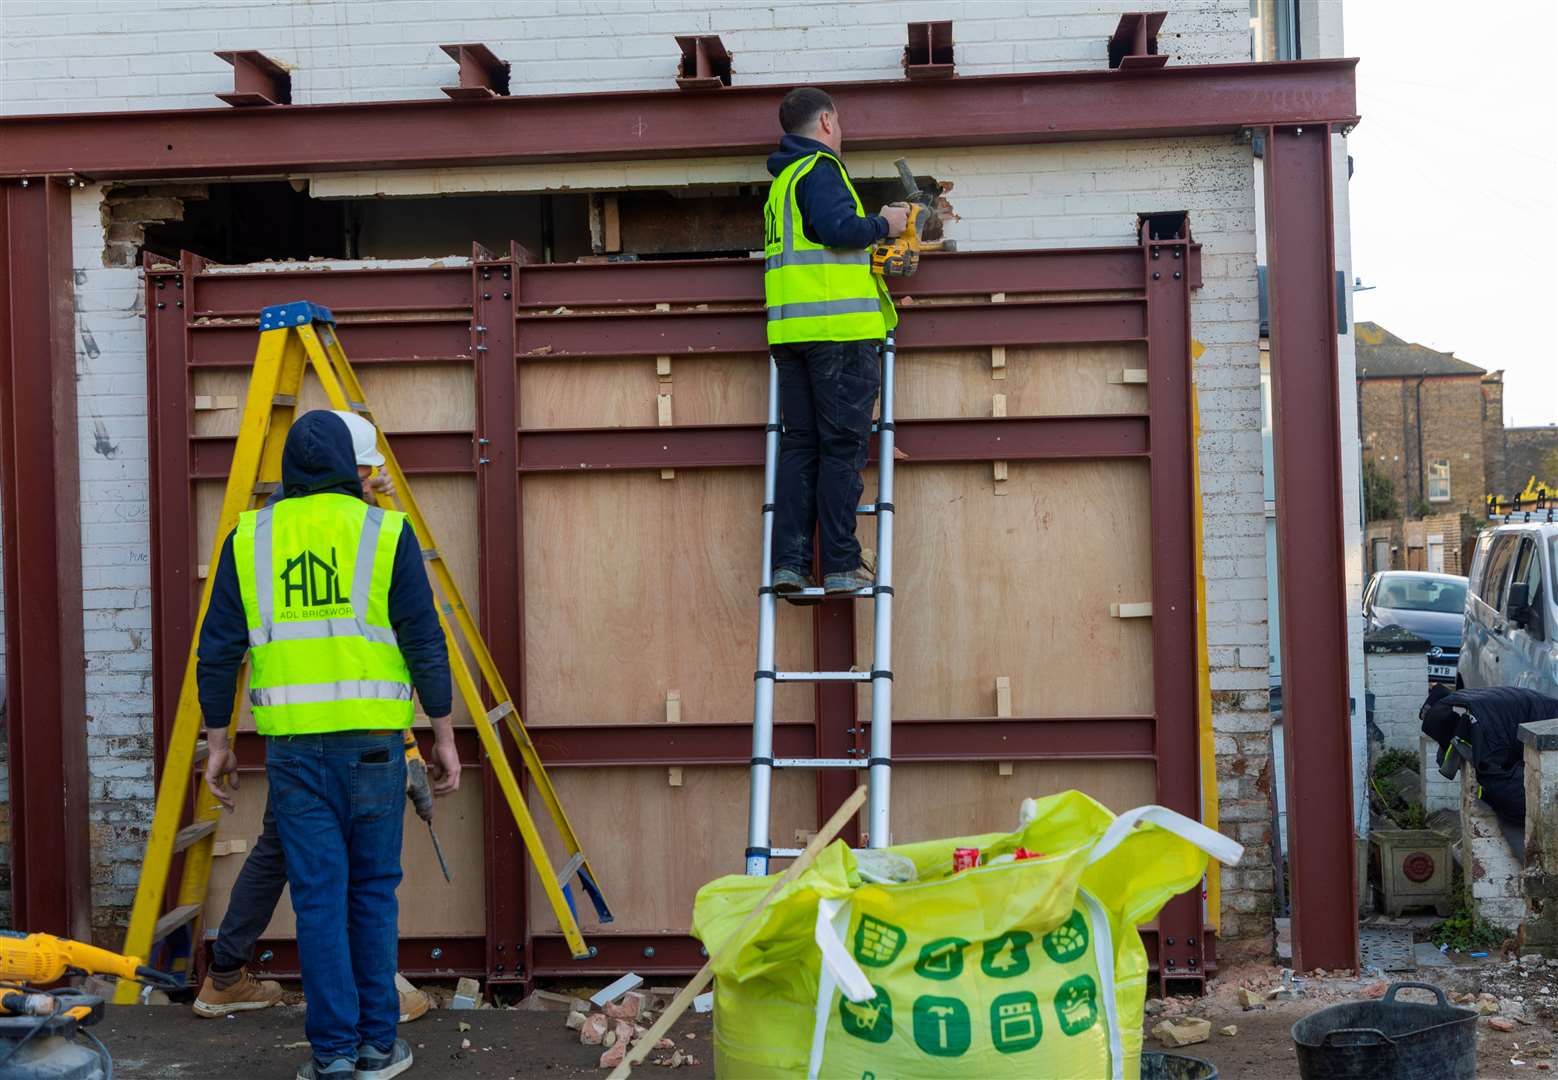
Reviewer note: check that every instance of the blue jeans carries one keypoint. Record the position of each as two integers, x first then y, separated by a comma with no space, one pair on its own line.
827,392
339,802
253,899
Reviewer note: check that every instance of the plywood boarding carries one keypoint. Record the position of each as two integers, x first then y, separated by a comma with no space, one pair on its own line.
428,904
934,801
1042,381
403,397
1019,585
623,393
653,845
1053,380
448,504
635,586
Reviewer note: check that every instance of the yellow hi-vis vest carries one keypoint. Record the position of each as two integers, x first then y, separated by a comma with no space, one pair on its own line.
314,574
814,292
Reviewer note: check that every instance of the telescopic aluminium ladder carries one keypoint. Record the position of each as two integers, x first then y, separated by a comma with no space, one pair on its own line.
294,338
879,763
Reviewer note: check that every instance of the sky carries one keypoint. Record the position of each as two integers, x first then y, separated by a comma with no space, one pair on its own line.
1454,192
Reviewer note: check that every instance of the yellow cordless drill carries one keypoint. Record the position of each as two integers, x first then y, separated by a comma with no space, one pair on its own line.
899,256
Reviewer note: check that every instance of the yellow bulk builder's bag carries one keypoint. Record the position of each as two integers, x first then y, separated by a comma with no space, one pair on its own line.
1030,968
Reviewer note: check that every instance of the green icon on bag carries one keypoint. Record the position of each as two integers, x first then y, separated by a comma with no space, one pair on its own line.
1015,1024
1068,940
1006,957
869,1020
942,959
941,1026
1076,1004
878,943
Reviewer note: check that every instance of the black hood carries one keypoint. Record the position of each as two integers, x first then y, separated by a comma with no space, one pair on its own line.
791,149
318,457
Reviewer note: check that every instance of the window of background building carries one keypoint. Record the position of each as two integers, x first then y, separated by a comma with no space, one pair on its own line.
1439,480
1274,30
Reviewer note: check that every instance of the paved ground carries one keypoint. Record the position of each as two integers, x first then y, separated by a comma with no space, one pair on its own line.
166,1042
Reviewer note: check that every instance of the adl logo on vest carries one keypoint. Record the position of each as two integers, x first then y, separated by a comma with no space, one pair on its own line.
312,583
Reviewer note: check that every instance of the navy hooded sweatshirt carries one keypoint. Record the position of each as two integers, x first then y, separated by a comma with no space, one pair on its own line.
827,211
317,459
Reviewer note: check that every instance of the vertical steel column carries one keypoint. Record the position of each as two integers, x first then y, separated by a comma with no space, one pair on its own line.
175,589
1311,581
760,797
1165,245
494,283
45,692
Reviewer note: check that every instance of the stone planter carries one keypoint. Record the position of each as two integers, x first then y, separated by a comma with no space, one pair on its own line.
1414,870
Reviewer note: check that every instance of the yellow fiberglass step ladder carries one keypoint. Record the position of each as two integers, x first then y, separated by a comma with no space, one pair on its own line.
293,338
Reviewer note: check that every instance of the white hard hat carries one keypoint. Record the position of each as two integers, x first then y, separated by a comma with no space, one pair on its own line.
365,438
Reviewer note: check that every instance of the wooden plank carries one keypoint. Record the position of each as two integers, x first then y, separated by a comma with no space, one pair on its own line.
428,904
1019,586
654,845
403,397
1044,381
622,393
935,801
634,587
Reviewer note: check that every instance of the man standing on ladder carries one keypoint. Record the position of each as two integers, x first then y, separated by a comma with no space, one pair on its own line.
229,987
827,317
330,598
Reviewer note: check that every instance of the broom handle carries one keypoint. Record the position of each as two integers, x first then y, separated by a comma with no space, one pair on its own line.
705,975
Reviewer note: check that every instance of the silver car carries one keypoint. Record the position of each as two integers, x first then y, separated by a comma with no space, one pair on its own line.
1511,636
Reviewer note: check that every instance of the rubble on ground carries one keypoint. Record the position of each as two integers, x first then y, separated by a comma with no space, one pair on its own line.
1183,1031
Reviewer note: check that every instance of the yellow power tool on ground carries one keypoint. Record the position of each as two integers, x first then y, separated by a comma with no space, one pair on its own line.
44,958
899,256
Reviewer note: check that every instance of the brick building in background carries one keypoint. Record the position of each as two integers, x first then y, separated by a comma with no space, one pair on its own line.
1432,428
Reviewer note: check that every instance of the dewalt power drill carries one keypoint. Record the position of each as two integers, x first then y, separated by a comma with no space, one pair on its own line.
899,256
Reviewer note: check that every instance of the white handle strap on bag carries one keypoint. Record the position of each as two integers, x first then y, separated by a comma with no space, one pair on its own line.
1215,844
839,970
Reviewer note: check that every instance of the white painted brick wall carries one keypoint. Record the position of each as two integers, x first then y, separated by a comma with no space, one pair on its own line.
1436,791
1487,861
1399,682
81,55
97,55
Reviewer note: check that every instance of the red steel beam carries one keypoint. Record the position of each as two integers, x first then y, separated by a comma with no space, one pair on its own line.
1022,738
501,568
982,110
241,293
440,957
45,703
418,340
211,456
692,446
740,330
740,281
1311,578
669,953
1164,253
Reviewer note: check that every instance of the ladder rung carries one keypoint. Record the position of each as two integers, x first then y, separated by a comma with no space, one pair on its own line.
174,919
498,712
284,399
357,406
430,554
818,763
571,867
785,852
202,751
814,594
191,834
822,676
265,487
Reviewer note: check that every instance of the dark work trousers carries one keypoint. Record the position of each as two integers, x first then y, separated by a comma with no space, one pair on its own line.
827,393
253,899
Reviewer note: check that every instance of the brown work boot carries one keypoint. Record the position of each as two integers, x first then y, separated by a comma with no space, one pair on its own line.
413,1002
242,993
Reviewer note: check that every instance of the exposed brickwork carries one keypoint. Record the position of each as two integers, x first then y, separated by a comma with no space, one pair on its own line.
1493,437
1409,423
128,208
1011,197
1490,867
1528,452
